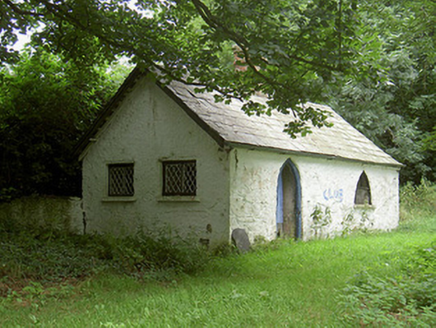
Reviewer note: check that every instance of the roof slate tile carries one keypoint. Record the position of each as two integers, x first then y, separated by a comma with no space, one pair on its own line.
235,127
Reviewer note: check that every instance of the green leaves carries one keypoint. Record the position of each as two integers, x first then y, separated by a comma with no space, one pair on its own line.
392,102
373,60
45,106
286,45
404,300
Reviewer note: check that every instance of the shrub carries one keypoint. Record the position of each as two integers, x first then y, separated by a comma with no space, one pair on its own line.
144,253
408,299
320,220
417,201
49,257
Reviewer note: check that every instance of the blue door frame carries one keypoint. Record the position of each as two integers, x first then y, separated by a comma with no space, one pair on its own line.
279,214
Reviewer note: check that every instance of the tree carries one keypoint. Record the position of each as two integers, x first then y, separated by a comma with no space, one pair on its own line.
397,111
45,105
293,49
374,61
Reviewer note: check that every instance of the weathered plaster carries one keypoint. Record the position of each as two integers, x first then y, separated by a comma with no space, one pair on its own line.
324,183
150,127
236,188
43,212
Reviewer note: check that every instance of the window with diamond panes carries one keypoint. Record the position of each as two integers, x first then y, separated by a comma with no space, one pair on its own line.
121,180
179,178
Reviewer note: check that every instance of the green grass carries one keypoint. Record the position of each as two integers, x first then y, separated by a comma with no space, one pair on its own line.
283,284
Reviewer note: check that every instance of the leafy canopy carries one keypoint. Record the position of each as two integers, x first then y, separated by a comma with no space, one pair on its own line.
45,105
397,111
372,61
293,50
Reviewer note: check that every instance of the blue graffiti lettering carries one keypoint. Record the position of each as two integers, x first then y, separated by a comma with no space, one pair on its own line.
337,194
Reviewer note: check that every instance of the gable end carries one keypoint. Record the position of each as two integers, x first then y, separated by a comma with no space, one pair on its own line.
194,116
113,105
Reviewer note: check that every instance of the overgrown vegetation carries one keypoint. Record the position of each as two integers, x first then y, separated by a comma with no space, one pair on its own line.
417,202
320,220
46,104
407,296
365,279
48,258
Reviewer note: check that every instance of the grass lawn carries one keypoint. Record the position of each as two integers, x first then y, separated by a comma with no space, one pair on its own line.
286,284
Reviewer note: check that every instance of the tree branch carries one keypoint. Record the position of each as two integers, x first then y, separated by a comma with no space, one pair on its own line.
20,11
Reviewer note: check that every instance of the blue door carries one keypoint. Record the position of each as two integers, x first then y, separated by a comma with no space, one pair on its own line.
289,202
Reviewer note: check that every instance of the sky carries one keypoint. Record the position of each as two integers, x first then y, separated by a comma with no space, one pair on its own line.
22,40
25,38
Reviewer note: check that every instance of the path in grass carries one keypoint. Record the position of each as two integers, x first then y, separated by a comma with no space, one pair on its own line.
290,285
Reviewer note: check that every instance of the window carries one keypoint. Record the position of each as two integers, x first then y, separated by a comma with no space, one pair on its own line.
121,180
363,192
179,178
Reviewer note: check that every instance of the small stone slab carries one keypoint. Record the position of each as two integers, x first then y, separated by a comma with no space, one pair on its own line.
240,239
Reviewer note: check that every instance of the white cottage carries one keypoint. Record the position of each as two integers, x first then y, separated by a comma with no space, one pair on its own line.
164,157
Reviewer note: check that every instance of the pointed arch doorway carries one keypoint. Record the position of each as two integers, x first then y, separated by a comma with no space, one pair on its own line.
288,216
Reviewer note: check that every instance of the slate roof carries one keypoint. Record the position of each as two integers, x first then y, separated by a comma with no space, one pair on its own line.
236,128
230,126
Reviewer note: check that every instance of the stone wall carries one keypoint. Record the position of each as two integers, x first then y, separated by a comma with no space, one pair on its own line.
52,213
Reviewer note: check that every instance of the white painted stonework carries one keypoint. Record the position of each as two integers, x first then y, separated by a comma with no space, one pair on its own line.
237,184
150,127
325,183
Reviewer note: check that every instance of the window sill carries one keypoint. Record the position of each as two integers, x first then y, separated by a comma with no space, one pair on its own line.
186,199
364,207
118,199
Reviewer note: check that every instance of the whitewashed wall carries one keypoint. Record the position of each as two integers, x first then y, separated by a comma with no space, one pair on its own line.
150,127
234,190
324,184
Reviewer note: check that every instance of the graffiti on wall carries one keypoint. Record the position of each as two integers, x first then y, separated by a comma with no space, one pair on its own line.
334,194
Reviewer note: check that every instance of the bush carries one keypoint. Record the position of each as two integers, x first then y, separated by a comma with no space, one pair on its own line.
46,105
408,299
417,201
49,258
46,257
144,253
